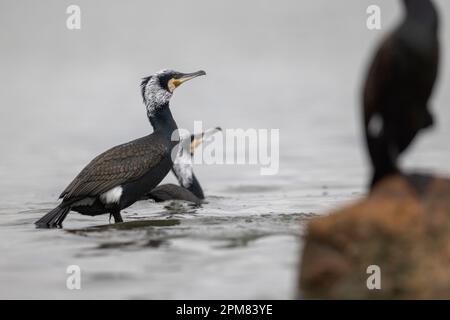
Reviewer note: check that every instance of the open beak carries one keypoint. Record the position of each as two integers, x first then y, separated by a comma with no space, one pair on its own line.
188,76
197,139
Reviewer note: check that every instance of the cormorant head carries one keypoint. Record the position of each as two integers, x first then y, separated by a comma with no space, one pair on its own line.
157,89
204,137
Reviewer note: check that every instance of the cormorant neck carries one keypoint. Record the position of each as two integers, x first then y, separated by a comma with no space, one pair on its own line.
195,188
421,12
161,119
183,171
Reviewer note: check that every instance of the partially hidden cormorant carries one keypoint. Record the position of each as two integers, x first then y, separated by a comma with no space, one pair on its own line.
189,188
120,176
398,86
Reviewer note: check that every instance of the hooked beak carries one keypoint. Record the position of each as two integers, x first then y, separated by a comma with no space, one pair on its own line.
197,139
188,76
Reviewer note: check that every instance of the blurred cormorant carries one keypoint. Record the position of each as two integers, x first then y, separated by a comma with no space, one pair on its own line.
398,86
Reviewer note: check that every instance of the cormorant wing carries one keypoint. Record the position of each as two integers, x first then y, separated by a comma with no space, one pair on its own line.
120,164
383,74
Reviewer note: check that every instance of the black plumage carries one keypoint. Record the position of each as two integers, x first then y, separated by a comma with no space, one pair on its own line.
398,86
122,175
118,165
170,191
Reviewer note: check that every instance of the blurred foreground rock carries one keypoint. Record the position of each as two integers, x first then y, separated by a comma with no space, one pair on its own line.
403,227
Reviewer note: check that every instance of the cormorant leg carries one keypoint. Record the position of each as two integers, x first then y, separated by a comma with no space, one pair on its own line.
117,216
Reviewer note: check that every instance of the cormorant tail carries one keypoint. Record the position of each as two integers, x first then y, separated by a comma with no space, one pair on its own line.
54,218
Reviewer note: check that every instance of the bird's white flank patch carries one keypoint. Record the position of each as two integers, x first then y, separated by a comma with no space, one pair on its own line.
112,196
375,125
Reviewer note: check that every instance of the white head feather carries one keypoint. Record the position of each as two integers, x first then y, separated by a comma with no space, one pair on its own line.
154,95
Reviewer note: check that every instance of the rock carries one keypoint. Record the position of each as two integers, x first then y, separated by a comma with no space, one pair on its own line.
403,227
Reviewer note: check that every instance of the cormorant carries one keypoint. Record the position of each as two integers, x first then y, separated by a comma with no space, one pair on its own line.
398,86
189,189
120,176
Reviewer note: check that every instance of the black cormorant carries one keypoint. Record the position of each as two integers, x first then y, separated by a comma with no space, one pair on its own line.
189,188
398,86
120,176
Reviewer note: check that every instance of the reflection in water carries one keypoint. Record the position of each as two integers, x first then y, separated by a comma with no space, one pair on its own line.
131,225
222,232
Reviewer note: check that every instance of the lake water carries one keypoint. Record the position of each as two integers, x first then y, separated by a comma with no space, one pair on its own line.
67,95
